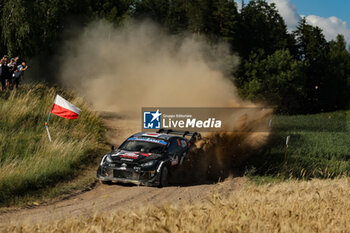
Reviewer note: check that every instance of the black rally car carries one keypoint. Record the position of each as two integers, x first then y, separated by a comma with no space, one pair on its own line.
147,158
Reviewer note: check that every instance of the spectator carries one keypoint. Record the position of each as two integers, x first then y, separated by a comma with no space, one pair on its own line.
16,60
18,74
1,80
5,73
12,67
12,63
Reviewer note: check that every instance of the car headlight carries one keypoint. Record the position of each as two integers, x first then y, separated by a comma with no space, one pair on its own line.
108,159
148,164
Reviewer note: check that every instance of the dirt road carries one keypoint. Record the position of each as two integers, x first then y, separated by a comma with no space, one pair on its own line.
104,198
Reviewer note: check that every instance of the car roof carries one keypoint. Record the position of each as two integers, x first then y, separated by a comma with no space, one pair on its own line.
162,136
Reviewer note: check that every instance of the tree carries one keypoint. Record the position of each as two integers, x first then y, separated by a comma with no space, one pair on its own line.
114,11
337,83
29,27
156,10
313,50
223,20
15,30
261,27
32,27
216,19
276,80
177,20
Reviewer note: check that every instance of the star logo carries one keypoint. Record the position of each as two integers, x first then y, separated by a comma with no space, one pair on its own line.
151,119
156,115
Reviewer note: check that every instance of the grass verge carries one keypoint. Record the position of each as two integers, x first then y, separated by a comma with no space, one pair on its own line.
29,163
318,147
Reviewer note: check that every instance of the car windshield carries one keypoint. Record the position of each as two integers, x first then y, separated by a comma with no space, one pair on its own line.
143,146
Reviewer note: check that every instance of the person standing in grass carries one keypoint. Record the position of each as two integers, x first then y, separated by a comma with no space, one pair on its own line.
1,80
17,75
12,67
5,73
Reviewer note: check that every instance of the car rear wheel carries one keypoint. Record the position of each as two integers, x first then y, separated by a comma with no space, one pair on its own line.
163,181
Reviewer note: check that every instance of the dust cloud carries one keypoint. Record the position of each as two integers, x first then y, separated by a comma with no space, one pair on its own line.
221,155
139,65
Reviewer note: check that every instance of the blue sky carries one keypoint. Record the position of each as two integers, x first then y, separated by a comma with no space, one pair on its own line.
332,16
324,8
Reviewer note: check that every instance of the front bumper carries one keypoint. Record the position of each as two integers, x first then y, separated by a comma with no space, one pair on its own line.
128,175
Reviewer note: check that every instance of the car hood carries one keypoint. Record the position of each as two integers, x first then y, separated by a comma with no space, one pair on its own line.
132,156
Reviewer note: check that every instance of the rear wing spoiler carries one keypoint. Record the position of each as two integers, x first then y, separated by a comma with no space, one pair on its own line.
194,135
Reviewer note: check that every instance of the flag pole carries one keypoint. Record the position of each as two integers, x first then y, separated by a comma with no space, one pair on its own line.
47,128
48,132
48,118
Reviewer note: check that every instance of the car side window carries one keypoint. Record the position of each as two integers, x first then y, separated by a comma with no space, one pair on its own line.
175,146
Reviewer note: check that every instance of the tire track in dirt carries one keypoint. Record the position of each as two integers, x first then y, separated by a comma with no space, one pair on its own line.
115,197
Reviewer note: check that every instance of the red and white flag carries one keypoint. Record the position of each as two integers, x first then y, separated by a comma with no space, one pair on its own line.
63,108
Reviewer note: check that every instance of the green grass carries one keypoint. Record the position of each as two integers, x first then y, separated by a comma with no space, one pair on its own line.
28,161
318,147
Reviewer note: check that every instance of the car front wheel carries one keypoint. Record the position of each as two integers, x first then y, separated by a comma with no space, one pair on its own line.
163,181
106,182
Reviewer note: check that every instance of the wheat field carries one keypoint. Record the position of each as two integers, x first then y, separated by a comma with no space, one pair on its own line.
294,206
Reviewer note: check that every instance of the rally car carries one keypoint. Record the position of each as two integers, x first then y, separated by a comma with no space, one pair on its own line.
147,158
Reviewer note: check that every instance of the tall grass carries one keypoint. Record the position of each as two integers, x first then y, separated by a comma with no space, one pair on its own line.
28,161
314,206
318,147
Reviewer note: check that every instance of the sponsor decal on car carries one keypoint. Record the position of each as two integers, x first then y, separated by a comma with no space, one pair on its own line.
125,159
151,134
148,140
130,155
146,154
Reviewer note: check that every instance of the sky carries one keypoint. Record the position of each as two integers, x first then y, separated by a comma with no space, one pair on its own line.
332,16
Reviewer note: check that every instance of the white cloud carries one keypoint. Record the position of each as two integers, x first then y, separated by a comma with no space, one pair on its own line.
331,26
239,5
289,12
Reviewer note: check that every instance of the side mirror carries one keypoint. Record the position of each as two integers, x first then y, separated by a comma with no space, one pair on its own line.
112,148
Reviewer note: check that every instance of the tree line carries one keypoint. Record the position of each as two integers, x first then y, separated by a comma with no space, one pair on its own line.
298,72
